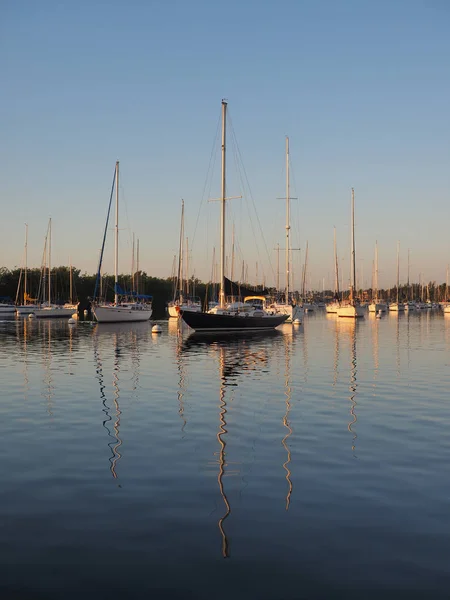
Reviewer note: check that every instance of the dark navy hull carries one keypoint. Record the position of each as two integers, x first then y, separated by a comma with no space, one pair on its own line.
212,322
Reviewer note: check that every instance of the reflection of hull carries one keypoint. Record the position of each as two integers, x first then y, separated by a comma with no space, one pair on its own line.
53,313
121,314
237,322
351,311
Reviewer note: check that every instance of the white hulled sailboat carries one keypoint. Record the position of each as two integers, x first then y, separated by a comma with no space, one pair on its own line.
118,312
352,309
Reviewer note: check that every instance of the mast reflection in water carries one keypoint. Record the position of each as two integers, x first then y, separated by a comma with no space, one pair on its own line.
235,356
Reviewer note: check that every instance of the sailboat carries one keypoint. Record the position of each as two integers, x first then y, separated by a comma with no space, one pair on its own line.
130,311
397,306
182,301
28,305
332,307
376,304
48,310
293,311
253,315
352,308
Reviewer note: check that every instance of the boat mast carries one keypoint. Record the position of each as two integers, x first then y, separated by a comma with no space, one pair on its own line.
137,267
398,267
49,259
407,286
26,264
116,240
222,201
70,282
376,270
288,226
353,282
336,268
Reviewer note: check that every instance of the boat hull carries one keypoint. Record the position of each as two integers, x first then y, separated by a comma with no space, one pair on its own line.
174,309
396,307
52,313
7,310
233,322
377,306
121,314
351,311
292,311
26,310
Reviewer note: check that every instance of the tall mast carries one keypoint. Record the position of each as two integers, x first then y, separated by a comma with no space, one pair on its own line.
398,267
180,254
116,239
26,265
376,271
187,266
70,281
137,267
288,226
222,200
336,271
49,260
278,267
132,264
232,256
407,286
353,282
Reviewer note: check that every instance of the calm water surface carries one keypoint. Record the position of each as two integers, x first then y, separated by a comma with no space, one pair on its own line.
312,462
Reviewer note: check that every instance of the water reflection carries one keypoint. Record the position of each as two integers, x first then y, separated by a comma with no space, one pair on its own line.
123,340
348,328
288,344
236,354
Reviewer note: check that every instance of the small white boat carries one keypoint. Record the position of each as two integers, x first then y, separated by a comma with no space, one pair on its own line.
52,311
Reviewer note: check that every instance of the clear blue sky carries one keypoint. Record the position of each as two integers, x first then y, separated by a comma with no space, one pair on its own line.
362,88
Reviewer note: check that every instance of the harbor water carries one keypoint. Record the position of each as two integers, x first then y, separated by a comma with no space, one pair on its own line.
310,462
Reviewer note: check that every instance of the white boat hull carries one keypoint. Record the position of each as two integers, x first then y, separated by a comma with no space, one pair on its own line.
377,306
293,312
332,308
350,311
120,314
396,307
26,309
7,309
174,309
53,313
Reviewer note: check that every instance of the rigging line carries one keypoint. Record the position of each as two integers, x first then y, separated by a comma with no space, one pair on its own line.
253,202
212,162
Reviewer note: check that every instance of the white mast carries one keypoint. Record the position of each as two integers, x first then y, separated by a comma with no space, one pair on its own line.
353,282
222,201
26,264
288,226
137,267
398,268
116,240
70,281
376,270
336,272
49,259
